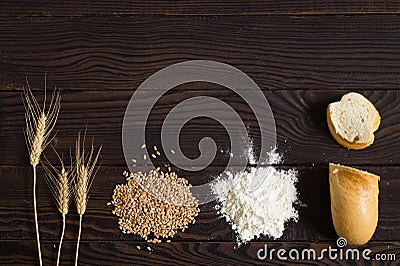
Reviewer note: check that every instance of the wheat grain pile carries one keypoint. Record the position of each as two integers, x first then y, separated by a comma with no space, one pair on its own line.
154,205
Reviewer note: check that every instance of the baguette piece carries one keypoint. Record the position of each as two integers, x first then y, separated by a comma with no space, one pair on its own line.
354,203
352,121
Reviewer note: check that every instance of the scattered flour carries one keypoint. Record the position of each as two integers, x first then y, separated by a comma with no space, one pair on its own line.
250,152
262,210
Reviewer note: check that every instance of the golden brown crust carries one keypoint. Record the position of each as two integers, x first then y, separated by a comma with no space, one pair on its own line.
377,121
354,203
342,141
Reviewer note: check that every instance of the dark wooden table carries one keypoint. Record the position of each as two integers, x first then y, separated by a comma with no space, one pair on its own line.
302,54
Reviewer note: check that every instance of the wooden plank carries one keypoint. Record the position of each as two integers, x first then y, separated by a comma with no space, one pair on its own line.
207,7
23,252
302,133
278,52
16,215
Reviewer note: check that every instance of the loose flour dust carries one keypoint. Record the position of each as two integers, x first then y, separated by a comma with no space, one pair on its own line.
262,209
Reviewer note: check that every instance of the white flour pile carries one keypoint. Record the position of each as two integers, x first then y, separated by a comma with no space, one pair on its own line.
262,209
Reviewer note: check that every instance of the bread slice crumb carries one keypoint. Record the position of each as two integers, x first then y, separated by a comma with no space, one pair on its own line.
353,121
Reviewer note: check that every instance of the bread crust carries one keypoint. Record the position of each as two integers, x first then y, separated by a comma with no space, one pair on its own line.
354,203
353,145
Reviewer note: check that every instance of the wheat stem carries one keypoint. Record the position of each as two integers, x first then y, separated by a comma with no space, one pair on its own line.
39,125
85,165
79,239
59,184
36,219
61,240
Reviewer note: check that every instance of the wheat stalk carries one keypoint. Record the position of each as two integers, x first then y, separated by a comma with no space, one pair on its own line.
85,165
59,182
39,124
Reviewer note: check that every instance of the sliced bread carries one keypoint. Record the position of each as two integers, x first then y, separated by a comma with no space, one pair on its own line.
353,120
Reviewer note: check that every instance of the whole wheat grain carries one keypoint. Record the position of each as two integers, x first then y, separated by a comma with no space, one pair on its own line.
153,217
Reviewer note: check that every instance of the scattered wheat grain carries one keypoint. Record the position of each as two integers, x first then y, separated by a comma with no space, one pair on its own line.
156,204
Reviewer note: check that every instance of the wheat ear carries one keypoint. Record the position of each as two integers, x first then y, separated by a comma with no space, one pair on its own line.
59,182
39,124
85,165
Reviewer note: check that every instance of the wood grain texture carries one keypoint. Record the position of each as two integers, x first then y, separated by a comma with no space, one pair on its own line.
302,133
182,253
278,52
204,7
99,224
302,54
